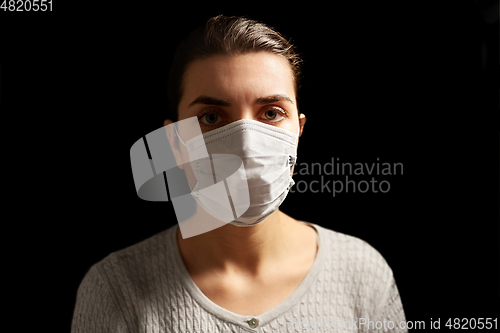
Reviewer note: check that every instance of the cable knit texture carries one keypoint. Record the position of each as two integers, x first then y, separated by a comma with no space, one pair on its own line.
147,288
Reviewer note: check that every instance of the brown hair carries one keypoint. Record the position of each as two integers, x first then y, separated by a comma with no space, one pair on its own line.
227,35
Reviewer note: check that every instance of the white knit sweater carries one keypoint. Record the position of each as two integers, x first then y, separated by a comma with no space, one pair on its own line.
147,288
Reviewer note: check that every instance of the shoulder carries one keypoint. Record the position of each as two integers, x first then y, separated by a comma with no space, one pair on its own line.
355,250
148,246
150,251
134,266
360,277
358,263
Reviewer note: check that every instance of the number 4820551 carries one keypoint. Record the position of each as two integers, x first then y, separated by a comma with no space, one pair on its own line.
26,5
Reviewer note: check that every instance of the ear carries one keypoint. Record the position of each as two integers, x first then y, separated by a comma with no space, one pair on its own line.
302,121
174,143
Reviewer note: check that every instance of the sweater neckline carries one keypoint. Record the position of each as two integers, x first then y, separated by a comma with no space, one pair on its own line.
242,320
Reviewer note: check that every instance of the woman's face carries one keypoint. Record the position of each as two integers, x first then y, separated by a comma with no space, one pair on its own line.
258,86
221,89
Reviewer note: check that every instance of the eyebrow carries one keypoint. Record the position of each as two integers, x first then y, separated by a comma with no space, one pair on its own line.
273,99
208,100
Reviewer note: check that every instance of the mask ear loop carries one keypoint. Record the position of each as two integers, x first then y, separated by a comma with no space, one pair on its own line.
291,162
179,137
194,190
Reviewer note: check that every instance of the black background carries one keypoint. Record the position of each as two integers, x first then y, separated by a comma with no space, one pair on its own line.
409,83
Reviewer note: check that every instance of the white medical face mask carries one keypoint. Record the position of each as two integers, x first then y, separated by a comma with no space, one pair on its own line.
268,154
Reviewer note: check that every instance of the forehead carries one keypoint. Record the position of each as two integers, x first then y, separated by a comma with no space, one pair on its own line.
243,76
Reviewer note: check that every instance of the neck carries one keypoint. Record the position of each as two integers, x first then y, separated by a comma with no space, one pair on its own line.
241,250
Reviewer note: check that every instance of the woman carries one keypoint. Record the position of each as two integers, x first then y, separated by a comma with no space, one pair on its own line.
266,271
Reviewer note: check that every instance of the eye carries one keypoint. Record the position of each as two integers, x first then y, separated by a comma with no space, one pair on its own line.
271,114
209,118
274,114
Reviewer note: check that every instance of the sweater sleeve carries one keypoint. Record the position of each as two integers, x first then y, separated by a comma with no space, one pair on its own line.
95,309
390,312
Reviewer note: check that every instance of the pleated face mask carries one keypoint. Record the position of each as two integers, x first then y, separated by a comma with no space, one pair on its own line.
268,154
